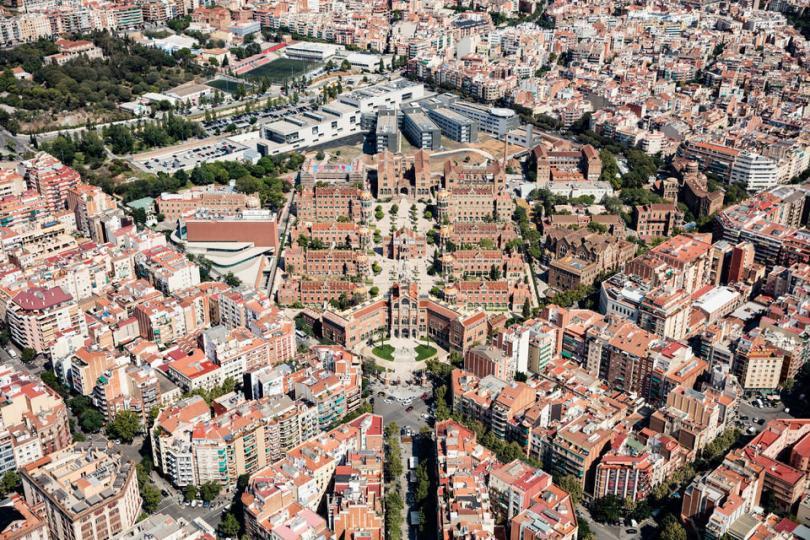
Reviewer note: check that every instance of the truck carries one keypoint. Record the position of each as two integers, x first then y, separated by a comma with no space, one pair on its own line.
413,461
12,353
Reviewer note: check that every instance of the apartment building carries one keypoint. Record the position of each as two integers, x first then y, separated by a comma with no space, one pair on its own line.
194,371
38,316
88,203
513,487
484,360
695,418
22,523
333,396
34,418
666,312
754,172
87,491
686,261
50,178
170,438
463,495
625,476
237,351
758,364
354,504
87,364
127,388
166,269
292,488
576,449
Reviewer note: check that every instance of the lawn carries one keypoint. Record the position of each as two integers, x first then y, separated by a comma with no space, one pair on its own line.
423,352
282,69
385,351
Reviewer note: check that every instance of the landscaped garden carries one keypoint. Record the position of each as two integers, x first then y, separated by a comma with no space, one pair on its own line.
384,351
423,352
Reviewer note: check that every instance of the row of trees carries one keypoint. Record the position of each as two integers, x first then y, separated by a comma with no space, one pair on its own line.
394,505
125,139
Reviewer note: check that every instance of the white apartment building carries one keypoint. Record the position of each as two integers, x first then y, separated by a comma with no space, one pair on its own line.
754,172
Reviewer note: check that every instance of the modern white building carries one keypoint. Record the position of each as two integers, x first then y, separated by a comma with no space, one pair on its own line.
387,95
317,52
496,121
370,62
339,119
754,172
329,123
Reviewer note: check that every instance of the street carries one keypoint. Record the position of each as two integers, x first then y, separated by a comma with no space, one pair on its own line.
413,443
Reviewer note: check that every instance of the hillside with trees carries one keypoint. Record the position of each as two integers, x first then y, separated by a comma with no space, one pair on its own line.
85,89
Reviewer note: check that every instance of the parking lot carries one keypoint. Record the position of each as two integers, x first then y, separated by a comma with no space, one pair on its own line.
752,418
189,158
245,120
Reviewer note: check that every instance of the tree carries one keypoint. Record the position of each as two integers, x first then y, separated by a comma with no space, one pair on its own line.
209,491
374,291
191,492
422,483
394,210
442,410
231,280
27,355
151,497
573,486
584,532
527,309
229,527
381,68
91,421
139,216
125,426
10,482
671,529
608,509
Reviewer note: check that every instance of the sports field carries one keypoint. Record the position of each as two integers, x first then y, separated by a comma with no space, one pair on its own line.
281,69
225,85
